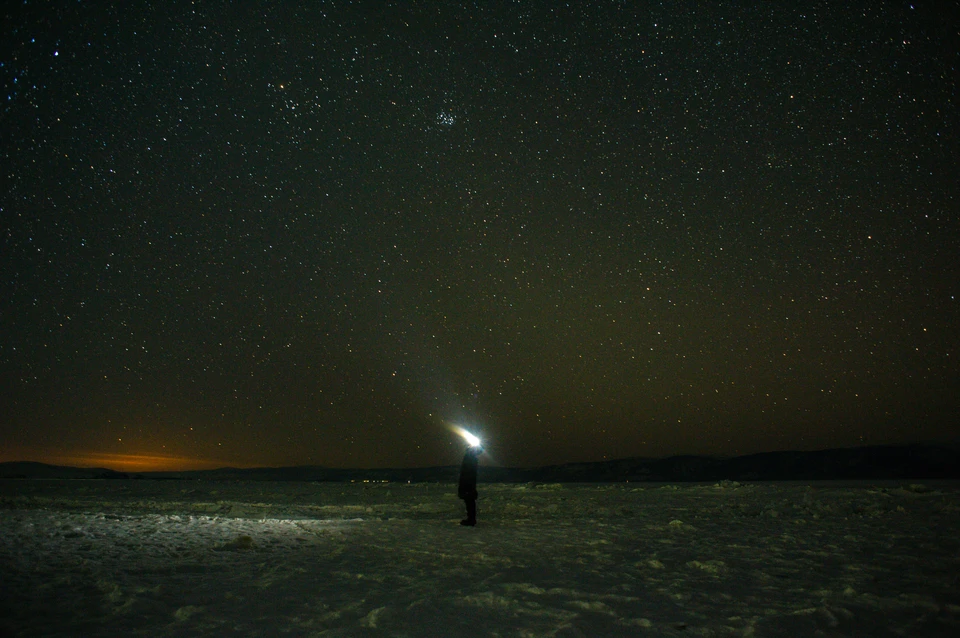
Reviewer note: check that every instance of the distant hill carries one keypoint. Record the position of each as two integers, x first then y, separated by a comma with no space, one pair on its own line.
31,470
872,463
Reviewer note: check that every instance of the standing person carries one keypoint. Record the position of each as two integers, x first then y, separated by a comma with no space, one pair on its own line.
467,490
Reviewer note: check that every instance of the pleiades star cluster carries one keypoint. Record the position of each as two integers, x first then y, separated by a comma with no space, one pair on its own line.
288,233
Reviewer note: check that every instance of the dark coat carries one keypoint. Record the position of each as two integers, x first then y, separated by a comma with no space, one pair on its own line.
468,474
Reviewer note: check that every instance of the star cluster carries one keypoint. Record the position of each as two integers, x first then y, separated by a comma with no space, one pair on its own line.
290,233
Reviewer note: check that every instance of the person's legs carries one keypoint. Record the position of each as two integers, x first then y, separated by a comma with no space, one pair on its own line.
471,512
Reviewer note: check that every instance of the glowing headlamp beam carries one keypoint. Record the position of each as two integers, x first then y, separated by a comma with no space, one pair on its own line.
471,439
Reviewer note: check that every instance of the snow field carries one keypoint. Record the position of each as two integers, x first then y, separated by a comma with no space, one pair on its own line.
171,558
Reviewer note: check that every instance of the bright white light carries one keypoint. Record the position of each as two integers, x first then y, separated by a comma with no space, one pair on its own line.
472,440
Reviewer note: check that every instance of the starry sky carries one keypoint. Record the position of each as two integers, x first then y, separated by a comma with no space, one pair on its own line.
261,233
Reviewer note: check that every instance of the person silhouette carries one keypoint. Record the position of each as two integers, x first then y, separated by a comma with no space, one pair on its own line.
467,489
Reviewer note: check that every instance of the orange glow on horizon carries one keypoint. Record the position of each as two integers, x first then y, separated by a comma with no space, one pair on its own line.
130,462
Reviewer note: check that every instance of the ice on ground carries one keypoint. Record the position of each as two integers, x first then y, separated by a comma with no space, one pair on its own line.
169,558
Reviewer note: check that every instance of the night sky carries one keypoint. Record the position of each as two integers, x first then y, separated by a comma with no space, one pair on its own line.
277,233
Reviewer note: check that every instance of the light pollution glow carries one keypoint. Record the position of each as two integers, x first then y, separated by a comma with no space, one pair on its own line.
128,462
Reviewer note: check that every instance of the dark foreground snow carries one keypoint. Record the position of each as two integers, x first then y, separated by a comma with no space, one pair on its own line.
171,558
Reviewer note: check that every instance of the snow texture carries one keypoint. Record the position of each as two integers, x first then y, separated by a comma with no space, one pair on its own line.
190,558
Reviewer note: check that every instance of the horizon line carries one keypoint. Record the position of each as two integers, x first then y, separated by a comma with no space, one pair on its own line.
147,463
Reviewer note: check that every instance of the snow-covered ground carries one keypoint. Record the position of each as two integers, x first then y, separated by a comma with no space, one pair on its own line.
172,558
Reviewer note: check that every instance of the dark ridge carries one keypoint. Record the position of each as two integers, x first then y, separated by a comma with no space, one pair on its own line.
32,470
861,463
